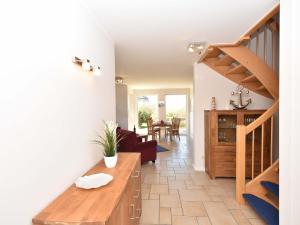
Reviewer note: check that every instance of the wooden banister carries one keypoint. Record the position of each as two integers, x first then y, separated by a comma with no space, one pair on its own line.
246,36
242,132
261,22
263,118
265,45
262,147
240,162
218,45
257,44
271,140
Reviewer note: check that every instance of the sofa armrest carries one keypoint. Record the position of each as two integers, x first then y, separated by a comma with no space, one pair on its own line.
139,139
146,145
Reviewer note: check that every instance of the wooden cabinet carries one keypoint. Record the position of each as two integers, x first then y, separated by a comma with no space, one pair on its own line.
118,203
220,142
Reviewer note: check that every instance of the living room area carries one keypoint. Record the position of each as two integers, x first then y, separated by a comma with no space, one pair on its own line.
162,114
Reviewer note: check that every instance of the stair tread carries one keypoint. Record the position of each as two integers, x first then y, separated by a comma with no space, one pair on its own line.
261,87
225,61
253,85
213,52
264,93
266,76
250,78
237,69
273,187
268,212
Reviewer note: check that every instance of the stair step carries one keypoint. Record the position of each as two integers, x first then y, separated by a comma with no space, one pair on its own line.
237,77
272,187
237,69
253,85
250,78
264,93
213,52
211,60
266,76
260,88
268,212
225,61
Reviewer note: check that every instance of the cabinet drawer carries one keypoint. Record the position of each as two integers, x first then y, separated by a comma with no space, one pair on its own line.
225,161
135,196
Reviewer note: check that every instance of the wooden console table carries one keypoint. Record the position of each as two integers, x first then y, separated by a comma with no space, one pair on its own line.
118,203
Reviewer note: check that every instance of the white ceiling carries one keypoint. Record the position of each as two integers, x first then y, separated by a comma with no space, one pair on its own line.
151,36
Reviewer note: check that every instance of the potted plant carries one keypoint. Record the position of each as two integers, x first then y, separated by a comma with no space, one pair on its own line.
109,142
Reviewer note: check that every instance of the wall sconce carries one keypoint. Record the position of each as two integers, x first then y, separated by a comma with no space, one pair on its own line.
86,65
96,71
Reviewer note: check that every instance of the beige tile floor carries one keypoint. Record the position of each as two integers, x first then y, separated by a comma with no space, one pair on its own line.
174,193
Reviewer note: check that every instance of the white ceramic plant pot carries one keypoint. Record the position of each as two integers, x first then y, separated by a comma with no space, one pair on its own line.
111,162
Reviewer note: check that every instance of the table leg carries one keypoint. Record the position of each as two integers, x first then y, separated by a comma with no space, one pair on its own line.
153,133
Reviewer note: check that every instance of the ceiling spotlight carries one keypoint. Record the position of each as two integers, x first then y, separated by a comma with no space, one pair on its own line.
196,47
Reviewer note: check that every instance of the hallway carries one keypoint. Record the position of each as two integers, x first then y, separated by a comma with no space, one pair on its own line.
173,193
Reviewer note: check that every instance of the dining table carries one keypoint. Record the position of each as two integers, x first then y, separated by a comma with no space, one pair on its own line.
161,124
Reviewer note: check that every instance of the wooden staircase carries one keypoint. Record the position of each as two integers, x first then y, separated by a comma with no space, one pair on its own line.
237,62
252,61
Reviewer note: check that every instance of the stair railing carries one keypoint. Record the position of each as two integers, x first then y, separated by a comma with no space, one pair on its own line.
242,132
268,25
253,36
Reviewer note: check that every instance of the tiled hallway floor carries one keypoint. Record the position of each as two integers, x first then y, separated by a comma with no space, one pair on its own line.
173,193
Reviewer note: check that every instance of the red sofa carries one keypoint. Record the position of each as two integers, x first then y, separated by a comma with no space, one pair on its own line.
131,143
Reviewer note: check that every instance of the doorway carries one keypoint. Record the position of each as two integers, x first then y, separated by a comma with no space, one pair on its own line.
176,106
147,106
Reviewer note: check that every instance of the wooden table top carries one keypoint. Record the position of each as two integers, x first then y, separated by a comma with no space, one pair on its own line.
159,124
80,206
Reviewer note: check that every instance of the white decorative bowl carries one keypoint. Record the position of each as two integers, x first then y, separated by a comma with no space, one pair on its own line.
93,181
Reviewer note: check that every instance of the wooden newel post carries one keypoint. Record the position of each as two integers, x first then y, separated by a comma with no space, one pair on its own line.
240,163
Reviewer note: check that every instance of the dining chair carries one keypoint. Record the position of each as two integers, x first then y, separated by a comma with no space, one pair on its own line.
174,129
151,130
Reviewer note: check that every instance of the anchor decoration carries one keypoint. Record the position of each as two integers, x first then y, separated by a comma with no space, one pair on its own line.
240,91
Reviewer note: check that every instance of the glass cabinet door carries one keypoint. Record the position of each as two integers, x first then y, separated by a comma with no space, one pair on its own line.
250,118
247,120
227,128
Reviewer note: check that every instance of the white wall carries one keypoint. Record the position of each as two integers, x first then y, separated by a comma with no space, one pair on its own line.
208,84
49,107
122,105
289,113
